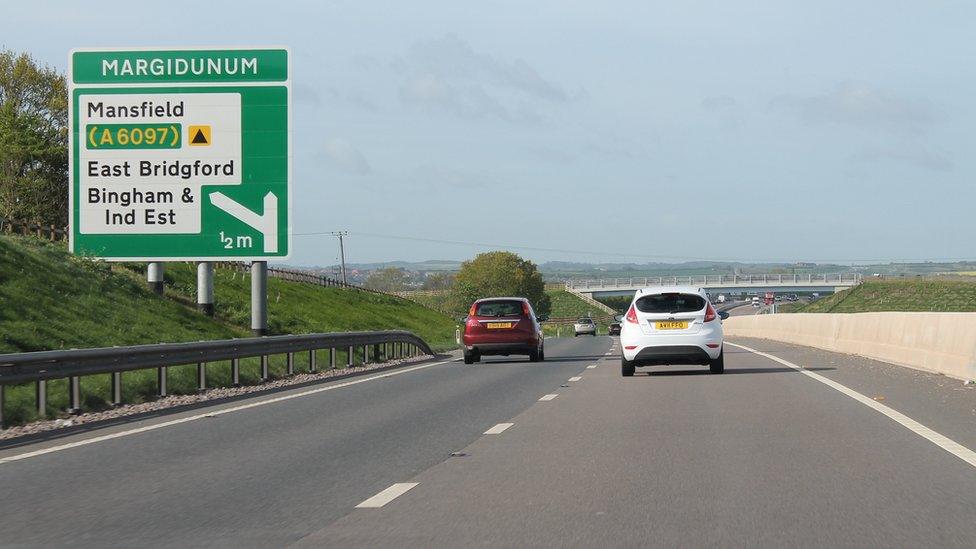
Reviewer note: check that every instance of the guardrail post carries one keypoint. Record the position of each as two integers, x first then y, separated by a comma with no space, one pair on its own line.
116,388
201,376
161,380
40,397
74,395
350,356
311,361
2,390
290,361
235,371
264,367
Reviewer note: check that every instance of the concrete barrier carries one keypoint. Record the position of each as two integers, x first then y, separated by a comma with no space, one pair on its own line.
936,342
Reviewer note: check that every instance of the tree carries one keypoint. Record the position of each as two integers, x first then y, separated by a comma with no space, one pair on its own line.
33,141
390,279
499,274
439,281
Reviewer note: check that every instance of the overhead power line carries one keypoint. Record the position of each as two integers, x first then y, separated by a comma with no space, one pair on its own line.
630,255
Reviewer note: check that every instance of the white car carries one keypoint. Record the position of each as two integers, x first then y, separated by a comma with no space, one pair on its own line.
584,326
671,325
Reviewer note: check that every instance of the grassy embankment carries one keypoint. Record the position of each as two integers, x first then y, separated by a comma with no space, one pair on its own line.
920,294
52,300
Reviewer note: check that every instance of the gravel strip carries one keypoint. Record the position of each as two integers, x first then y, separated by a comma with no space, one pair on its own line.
214,394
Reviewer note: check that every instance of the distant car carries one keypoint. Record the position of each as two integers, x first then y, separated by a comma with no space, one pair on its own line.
584,326
614,328
671,325
503,326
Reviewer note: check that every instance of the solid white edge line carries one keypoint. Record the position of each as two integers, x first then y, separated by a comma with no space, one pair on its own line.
386,496
938,439
212,413
575,378
548,397
498,429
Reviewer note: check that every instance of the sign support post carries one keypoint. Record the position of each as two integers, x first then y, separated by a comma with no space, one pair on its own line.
154,276
205,290
259,298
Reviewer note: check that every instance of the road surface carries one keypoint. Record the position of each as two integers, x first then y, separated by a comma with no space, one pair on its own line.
761,455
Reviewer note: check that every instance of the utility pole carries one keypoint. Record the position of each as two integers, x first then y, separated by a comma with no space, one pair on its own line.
342,252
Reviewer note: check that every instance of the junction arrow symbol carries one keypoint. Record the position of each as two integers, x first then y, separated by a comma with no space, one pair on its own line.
266,223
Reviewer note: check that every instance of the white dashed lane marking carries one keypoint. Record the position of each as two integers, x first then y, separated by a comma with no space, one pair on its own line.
548,397
575,378
498,429
591,366
386,496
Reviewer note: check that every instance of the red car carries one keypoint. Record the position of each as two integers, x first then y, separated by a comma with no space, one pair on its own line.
502,326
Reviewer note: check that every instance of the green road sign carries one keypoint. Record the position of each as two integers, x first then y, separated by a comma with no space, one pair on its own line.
180,154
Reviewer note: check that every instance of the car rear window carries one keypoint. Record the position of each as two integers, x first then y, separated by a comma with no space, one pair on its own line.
499,308
584,321
670,303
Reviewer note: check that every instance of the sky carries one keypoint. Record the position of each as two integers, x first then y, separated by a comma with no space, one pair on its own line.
599,131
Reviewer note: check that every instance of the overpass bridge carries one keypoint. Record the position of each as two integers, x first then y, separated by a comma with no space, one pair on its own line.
718,284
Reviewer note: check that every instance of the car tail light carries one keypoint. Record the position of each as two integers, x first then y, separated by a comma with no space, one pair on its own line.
630,347
525,309
474,307
710,313
632,315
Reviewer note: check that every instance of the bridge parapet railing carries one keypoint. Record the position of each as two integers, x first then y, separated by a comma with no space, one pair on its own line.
716,280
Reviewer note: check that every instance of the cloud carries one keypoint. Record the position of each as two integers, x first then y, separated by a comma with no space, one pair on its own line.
718,103
913,154
355,98
725,108
346,157
306,94
448,75
451,57
429,176
863,106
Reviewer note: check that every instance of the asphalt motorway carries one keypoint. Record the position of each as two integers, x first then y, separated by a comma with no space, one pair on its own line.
269,475
563,453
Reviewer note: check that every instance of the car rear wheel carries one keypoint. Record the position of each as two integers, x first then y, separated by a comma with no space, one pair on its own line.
534,355
471,358
627,367
542,354
717,366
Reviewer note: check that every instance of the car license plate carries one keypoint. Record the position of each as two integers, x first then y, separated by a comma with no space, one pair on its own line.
497,325
672,325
